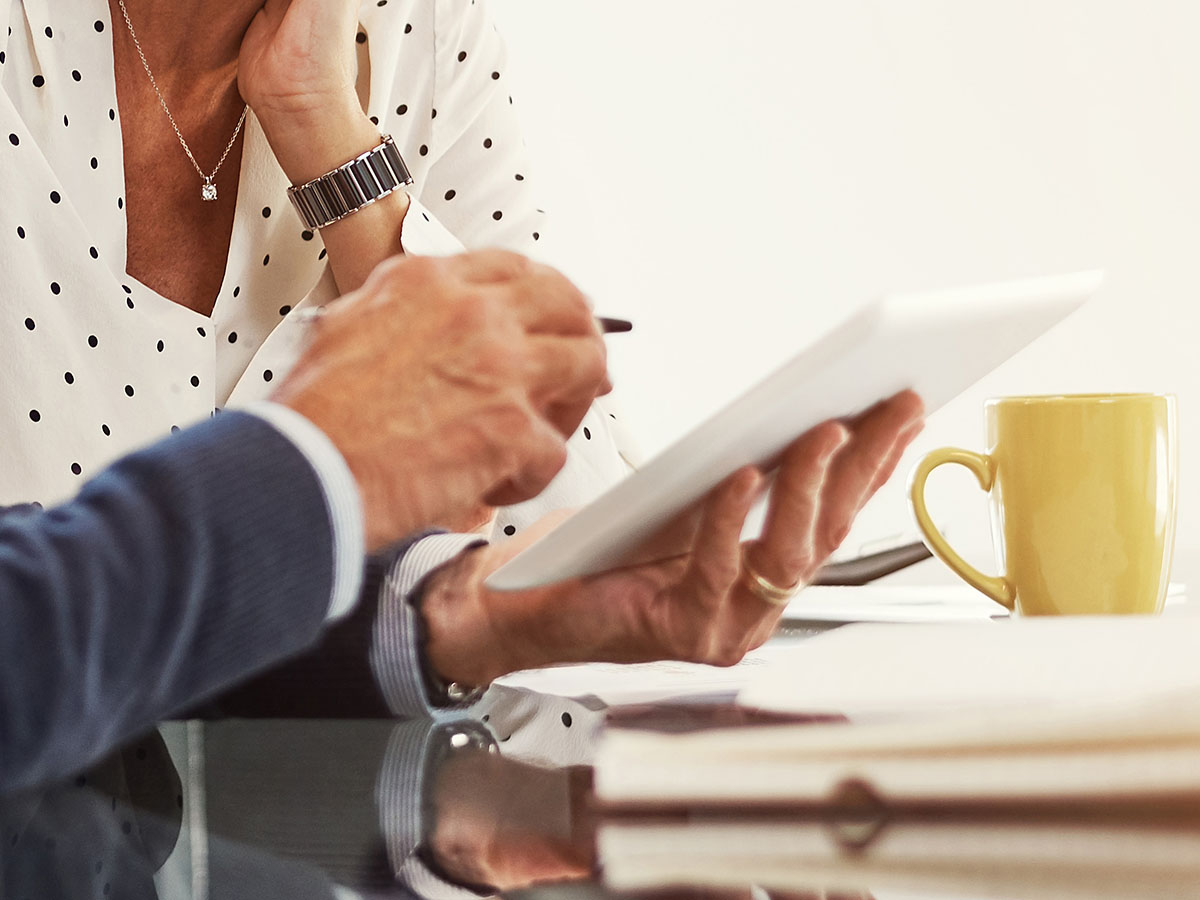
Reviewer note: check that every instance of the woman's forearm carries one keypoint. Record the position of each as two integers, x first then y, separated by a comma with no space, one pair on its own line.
310,146
297,70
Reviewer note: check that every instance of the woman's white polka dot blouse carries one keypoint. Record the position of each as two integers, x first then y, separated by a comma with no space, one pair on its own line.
93,363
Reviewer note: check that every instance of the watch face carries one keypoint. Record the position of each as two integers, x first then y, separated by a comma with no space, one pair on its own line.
459,693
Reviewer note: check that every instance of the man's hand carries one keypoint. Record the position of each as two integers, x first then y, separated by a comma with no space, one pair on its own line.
447,383
689,600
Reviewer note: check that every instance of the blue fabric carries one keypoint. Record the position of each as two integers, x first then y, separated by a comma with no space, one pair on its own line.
347,674
177,571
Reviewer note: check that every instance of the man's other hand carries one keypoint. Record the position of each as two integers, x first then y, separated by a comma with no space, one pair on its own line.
449,383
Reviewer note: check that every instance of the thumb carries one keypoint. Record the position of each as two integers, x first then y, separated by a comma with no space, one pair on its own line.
319,17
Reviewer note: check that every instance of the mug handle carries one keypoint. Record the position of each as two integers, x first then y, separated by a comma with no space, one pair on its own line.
984,469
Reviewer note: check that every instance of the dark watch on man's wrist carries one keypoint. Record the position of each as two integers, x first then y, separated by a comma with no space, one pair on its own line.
438,691
442,693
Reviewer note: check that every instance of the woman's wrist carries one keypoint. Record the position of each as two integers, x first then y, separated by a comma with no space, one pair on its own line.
311,143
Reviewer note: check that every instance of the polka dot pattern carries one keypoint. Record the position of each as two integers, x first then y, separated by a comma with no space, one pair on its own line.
111,367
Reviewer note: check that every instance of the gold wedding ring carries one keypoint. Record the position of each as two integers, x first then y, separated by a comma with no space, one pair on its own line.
765,589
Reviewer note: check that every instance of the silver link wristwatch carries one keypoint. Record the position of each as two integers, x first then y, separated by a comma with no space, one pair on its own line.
351,186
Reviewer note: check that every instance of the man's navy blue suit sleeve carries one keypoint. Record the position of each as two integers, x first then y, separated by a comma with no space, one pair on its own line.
174,573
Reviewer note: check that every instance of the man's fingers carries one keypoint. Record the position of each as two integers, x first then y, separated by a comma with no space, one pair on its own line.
716,557
898,419
859,468
904,405
568,374
787,549
889,465
489,266
546,302
543,298
541,455
566,417
566,370
540,299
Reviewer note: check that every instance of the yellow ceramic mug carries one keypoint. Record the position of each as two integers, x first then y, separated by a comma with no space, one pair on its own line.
1083,497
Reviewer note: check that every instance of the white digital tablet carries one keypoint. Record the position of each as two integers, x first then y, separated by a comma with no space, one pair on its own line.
937,343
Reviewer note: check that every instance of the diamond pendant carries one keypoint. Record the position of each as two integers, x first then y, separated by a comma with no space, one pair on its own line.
208,191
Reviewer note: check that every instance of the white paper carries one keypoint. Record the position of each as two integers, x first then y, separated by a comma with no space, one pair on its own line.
888,670
907,603
617,684
893,603
955,860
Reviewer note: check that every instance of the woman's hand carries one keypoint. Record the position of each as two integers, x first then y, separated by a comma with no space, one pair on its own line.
297,58
297,70
693,603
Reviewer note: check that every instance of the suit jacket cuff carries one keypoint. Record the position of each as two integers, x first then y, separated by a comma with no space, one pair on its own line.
342,499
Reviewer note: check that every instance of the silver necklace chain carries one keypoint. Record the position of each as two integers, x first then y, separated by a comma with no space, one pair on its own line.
209,190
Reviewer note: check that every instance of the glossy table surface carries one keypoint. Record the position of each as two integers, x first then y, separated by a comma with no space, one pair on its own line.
501,802
348,808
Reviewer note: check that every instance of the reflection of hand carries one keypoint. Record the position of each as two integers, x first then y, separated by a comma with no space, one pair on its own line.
508,825
505,825
690,604
450,383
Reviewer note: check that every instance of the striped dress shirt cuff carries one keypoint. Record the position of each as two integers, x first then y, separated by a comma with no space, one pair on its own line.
395,654
405,778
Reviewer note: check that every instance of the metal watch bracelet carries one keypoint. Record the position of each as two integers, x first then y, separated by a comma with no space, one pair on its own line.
351,186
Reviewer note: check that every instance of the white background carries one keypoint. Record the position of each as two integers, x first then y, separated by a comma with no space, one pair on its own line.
737,176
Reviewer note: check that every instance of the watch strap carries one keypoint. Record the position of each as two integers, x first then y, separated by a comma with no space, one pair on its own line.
351,186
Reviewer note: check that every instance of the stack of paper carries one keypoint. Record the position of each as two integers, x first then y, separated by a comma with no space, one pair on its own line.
1024,663
824,607
909,603
904,603
1026,758
1035,709
616,684
952,859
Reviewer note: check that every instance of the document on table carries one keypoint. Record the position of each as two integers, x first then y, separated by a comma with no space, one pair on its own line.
893,603
907,603
616,684
1054,709
889,670
950,858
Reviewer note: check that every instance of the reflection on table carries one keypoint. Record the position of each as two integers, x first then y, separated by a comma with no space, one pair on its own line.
348,808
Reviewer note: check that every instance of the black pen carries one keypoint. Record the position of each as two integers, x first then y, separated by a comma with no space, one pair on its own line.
606,324
613,326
